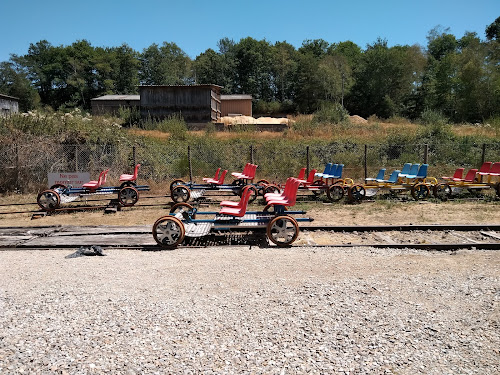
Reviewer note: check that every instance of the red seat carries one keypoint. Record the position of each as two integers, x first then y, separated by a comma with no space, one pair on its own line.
495,169
290,199
457,175
310,178
250,175
130,177
485,168
288,185
235,204
218,181
302,174
216,177
469,177
93,185
245,171
241,209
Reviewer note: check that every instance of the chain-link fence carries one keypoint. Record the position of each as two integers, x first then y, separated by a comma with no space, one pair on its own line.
25,167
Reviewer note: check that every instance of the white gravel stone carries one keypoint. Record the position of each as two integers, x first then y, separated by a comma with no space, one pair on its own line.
250,311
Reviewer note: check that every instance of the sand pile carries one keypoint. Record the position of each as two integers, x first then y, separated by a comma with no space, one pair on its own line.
357,119
239,120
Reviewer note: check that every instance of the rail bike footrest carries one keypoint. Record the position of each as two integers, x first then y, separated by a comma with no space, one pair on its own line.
198,229
197,194
68,198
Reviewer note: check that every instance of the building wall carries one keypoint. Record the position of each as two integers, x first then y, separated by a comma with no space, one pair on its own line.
112,107
8,105
236,107
196,104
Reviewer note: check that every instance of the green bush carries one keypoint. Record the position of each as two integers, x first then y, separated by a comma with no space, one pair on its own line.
432,117
331,113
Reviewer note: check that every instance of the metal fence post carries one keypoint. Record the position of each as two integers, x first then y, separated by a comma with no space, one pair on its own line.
483,155
426,154
307,161
133,156
17,166
76,158
366,162
251,154
190,165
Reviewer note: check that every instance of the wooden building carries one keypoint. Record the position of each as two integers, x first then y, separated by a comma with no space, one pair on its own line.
111,104
236,105
8,105
197,104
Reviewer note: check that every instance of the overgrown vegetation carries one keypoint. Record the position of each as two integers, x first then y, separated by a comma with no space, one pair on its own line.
457,77
38,142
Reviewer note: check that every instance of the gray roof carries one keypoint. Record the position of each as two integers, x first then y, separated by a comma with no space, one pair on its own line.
235,97
118,97
8,97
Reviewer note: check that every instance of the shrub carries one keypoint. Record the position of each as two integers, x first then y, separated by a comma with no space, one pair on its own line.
432,117
331,113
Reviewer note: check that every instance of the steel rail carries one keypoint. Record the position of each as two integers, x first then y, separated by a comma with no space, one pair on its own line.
118,231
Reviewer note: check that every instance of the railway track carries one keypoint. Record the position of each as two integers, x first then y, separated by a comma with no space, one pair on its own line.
424,237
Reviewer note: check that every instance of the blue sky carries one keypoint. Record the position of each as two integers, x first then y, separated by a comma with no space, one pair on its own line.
195,25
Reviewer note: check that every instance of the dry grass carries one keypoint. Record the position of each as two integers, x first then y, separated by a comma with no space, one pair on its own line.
375,130
379,212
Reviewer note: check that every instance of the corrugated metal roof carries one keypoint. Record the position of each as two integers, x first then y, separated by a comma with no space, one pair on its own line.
204,85
235,97
8,97
118,97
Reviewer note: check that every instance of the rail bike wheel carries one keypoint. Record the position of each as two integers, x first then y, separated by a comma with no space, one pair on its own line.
180,193
175,183
58,186
262,183
127,183
254,193
272,189
48,200
128,196
237,186
356,193
442,191
168,232
183,206
321,184
335,192
420,191
282,230
271,208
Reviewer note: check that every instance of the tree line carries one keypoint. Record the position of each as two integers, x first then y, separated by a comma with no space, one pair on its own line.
458,77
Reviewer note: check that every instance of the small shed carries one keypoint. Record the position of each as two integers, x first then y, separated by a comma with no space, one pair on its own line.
197,104
111,104
8,105
236,105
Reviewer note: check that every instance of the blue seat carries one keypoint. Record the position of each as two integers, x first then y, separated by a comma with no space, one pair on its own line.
327,168
337,173
380,176
422,172
393,178
413,171
405,170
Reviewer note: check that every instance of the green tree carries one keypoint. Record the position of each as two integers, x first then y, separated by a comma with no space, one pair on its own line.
493,30
254,68
284,70
15,83
164,65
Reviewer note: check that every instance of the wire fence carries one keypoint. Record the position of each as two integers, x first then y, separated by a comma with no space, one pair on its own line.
25,168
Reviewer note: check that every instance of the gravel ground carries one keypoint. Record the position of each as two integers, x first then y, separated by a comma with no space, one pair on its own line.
250,311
